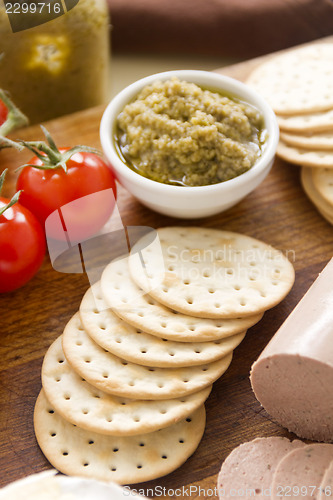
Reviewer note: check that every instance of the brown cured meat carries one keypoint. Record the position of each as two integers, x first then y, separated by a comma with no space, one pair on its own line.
248,471
293,376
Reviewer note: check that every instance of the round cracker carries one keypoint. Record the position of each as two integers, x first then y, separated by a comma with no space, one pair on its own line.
80,403
320,203
127,342
323,182
211,273
311,141
301,156
123,460
310,122
122,378
298,81
143,312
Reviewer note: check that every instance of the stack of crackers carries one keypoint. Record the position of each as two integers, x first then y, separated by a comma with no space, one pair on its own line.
299,86
124,386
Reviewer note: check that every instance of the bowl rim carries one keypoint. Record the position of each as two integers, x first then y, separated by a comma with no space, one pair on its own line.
201,78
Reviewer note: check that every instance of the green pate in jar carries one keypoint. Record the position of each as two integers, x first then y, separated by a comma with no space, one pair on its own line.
59,66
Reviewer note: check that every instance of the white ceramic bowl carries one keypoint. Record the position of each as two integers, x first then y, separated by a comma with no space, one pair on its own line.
198,201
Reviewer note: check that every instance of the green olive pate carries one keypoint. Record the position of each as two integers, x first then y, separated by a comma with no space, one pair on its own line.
177,133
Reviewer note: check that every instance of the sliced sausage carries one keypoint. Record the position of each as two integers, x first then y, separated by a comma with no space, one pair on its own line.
326,486
248,471
300,473
293,376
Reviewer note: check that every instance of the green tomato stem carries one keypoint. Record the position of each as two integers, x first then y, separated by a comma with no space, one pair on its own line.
49,154
15,119
14,199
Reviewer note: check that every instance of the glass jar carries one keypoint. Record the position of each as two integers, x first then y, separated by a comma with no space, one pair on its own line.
61,63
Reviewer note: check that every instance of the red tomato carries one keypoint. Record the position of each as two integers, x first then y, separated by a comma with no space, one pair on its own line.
3,113
47,191
22,246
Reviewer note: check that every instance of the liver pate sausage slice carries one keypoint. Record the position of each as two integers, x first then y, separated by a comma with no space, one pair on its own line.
326,486
248,471
300,473
293,376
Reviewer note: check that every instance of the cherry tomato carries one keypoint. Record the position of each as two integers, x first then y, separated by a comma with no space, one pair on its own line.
22,246
3,113
51,191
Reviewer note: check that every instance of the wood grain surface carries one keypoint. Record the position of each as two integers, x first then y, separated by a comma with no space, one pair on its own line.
277,212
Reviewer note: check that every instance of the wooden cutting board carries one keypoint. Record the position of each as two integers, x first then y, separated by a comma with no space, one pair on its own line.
277,212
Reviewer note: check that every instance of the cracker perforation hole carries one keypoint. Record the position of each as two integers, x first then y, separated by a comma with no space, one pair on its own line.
164,457
139,466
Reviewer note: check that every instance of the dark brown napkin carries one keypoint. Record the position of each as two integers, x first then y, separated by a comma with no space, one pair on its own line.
232,28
